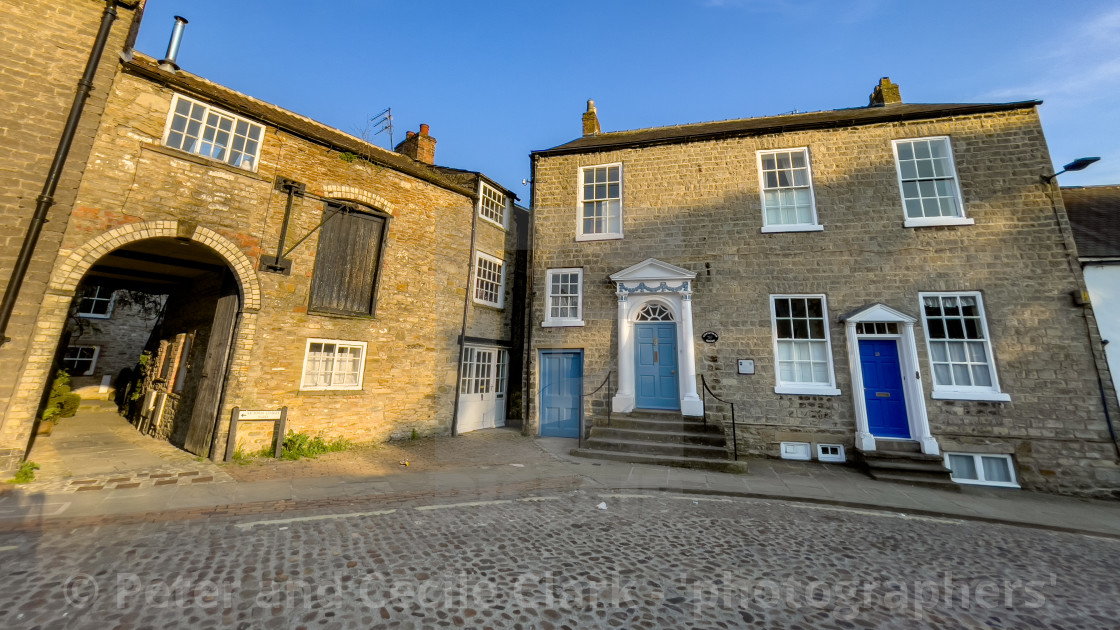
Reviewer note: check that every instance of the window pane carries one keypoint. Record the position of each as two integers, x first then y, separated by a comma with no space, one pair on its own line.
961,375
942,375
963,466
996,469
981,376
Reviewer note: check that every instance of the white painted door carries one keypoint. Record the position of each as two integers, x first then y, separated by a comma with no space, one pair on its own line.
482,388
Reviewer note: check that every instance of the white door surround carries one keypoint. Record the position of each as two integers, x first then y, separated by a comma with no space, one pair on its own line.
653,280
908,364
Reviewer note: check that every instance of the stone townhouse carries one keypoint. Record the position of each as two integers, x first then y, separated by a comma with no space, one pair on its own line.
890,284
368,291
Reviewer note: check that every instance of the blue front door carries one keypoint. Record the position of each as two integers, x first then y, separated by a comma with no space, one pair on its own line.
561,393
656,373
882,388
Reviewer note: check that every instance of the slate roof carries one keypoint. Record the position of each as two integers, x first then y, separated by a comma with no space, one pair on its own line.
777,124
1094,214
238,103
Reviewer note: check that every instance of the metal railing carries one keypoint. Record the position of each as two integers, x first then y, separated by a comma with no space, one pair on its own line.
707,391
606,382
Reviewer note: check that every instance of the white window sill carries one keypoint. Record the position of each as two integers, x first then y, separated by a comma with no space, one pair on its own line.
94,316
498,307
938,221
493,223
801,390
562,323
980,396
355,388
598,237
990,484
770,229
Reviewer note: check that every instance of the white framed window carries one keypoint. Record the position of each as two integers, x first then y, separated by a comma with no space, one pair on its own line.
492,205
564,306
333,364
982,470
81,360
927,179
786,183
960,349
489,280
802,345
96,303
195,127
600,202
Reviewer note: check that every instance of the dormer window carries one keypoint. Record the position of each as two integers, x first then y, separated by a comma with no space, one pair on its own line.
202,129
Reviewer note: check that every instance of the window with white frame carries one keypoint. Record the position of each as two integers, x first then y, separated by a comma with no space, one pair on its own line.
202,129
489,280
565,298
80,360
960,351
600,204
982,470
492,205
333,364
96,303
931,194
787,191
801,345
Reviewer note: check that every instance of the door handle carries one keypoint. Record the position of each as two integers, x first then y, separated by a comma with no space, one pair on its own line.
672,371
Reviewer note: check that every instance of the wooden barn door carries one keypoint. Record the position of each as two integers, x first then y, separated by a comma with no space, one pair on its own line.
207,403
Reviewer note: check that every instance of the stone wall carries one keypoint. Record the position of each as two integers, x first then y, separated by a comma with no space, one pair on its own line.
44,46
697,205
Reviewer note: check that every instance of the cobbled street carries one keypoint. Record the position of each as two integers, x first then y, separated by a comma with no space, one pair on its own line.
557,560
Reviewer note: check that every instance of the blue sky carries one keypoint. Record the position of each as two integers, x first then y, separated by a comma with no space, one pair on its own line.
496,80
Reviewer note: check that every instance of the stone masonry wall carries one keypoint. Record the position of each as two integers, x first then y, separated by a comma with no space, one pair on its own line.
410,367
697,205
44,46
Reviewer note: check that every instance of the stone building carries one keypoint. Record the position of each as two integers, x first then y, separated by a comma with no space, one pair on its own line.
888,284
1094,215
302,267
44,47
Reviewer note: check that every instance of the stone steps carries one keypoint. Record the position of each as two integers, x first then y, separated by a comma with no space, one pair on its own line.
659,438
903,462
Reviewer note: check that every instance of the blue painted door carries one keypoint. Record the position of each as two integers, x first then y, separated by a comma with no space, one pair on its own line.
656,373
882,388
561,393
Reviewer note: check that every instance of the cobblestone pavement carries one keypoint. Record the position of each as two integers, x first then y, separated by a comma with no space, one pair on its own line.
561,559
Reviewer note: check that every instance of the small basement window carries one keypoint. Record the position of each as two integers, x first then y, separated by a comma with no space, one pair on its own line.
831,453
982,470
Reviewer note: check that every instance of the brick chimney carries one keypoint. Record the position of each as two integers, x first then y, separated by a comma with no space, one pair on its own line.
886,93
590,120
419,146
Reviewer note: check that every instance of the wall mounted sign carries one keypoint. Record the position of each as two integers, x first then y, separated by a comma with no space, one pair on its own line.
709,337
746,366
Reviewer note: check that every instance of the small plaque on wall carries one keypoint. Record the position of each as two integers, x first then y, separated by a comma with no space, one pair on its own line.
710,337
746,366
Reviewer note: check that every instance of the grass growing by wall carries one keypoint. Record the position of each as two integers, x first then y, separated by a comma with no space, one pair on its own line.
299,445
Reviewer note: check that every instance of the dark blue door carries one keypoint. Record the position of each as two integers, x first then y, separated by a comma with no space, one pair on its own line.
561,393
882,388
656,373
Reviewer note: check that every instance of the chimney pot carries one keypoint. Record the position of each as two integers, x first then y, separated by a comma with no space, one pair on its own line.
418,146
409,134
423,129
168,62
591,120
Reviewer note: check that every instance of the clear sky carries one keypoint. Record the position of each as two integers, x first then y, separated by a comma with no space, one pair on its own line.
496,80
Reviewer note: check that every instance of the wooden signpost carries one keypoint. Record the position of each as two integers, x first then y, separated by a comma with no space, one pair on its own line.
277,416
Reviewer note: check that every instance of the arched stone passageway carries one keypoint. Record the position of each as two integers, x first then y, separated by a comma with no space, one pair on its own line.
207,280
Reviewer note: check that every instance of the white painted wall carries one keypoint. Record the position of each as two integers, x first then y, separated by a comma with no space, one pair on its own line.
1103,282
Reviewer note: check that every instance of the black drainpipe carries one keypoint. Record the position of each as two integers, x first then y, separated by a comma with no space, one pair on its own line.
467,300
46,198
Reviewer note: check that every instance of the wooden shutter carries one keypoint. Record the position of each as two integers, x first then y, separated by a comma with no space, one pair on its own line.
345,278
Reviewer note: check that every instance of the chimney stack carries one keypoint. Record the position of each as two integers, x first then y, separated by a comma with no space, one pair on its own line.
419,146
886,93
168,61
591,120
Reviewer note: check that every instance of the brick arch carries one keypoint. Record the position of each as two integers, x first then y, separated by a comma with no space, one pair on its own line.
357,194
67,275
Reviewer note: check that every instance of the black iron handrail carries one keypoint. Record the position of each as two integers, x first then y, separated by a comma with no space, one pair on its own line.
708,390
607,382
